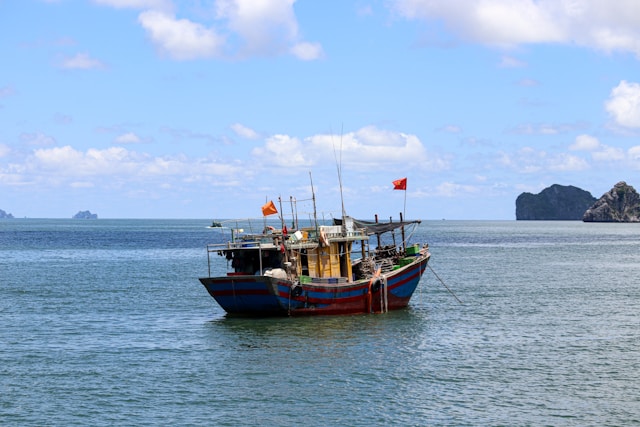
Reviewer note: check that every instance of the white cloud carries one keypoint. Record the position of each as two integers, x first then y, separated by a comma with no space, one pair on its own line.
599,24
263,24
137,4
451,189
118,169
283,150
266,27
128,138
372,136
527,160
511,62
4,150
181,134
624,104
493,22
451,129
371,146
243,28
244,132
567,163
545,128
68,165
37,139
307,51
585,143
609,154
601,152
362,150
634,154
80,61
70,162
181,39
548,130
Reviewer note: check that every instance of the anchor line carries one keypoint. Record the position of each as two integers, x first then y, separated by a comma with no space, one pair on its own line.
444,284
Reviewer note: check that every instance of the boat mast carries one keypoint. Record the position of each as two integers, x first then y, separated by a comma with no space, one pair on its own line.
313,197
339,167
281,213
315,220
294,215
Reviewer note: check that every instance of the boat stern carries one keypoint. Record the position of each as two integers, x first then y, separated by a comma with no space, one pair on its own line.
246,294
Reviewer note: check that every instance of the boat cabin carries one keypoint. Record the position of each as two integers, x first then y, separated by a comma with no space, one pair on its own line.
318,254
325,253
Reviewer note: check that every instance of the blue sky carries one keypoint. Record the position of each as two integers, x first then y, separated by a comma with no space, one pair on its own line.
206,109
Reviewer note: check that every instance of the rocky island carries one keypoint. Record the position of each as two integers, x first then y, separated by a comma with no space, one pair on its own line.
557,202
85,215
4,215
620,204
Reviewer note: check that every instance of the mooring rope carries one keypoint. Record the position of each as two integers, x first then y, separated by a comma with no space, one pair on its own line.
381,296
386,293
444,284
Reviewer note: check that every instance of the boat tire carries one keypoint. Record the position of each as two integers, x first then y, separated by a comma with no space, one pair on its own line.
296,291
375,286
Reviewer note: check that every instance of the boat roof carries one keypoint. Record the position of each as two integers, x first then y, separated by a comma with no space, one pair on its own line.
372,227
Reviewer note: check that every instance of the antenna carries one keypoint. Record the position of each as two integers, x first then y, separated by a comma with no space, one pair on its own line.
313,196
339,167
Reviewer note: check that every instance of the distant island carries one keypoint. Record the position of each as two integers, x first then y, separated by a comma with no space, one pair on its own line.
557,202
620,204
4,215
85,215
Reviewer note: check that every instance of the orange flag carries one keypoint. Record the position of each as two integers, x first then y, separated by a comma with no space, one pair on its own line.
269,209
400,184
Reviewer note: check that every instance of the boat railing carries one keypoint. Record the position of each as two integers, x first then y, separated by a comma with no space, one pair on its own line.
258,244
336,233
215,247
356,235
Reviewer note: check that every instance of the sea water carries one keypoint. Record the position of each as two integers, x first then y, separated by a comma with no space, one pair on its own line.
105,323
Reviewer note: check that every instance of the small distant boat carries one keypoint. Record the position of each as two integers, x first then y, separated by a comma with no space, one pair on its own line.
314,270
215,224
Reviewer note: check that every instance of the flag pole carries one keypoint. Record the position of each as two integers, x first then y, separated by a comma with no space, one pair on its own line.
264,217
404,209
401,184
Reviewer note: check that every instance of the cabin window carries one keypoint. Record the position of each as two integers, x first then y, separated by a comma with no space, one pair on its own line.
304,262
271,259
248,262
245,262
343,248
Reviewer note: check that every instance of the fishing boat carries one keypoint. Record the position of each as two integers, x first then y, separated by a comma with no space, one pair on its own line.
316,270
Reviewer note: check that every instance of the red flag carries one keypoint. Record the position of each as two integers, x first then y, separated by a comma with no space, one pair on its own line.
269,209
400,184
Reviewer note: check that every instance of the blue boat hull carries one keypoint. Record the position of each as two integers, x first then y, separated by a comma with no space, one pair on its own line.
269,296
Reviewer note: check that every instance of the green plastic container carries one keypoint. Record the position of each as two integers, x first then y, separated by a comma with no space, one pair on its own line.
413,250
406,261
